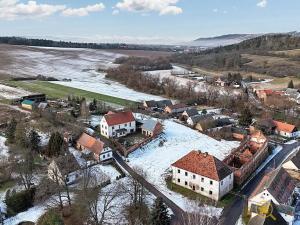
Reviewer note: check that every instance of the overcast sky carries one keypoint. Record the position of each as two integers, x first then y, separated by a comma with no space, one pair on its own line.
145,20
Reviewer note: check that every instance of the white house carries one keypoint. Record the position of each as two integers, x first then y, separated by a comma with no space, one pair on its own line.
64,170
204,174
117,124
89,144
276,186
285,129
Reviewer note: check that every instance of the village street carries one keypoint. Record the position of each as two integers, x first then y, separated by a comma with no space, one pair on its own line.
232,213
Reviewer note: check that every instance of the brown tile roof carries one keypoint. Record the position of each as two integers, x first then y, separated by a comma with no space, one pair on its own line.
203,164
279,183
91,143
284,126
119,118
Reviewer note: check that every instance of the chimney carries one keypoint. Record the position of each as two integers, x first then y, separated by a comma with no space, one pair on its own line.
205,154
199,152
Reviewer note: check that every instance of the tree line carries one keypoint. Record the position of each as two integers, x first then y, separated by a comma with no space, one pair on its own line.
68,44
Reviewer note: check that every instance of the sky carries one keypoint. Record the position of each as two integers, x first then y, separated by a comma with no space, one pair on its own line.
145,21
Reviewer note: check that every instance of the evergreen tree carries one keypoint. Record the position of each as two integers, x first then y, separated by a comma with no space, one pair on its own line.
246,117
10,131
160,215
20,136
55,145
34,139
204,111
291,84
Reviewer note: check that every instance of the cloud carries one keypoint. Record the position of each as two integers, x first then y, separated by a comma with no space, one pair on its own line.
11,9
115,12
215,10
163,7
14,9
84,11
262,3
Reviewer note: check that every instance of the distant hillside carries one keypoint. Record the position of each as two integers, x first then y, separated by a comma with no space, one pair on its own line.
271,54
268,42
223,40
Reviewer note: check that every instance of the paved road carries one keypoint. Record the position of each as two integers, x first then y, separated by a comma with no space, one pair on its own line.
232,213
178,212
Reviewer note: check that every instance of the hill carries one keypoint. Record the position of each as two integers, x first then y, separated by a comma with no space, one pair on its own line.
275,55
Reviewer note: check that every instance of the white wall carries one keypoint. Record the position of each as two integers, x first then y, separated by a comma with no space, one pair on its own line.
203,185
106,154
109,131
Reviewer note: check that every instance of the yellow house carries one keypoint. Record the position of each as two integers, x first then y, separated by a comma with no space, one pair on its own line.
27,104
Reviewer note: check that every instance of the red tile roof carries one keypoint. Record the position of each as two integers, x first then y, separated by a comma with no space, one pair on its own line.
119,118
91,143
203,164
284,126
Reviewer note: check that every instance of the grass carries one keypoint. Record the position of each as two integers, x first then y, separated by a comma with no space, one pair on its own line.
225,201
59,91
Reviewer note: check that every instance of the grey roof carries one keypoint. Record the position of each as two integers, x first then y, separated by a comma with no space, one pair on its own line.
199,118
159,104
149,125
274,219
191,112
296,159
280,185
42,105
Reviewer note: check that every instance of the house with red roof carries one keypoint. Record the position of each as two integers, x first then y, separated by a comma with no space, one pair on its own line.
285,129
89,144
117,124
204,174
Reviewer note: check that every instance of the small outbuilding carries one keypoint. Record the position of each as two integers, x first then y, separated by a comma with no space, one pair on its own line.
151,128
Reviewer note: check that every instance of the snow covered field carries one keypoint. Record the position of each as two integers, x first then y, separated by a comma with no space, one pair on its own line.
8,92
180,140
79,65
3,148
200,86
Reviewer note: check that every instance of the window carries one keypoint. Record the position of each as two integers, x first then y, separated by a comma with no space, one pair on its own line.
178,171
211,182
186,174
194,188
125,124
202,179
210,192
186,183
103,156
113,127
202,189
178,180
221,182
194,176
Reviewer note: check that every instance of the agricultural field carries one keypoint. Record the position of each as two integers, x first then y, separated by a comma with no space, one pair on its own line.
59,91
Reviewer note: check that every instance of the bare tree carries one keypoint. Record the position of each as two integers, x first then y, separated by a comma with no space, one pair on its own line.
138,210
201,213
24,168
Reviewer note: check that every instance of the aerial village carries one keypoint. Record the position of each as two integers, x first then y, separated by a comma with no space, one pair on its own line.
196,158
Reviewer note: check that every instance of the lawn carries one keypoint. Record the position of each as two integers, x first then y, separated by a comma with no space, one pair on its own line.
6,185
226,200
60,91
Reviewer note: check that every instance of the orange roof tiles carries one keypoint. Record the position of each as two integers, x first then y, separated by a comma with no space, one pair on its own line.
119,118
91,143
284,126
203,164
